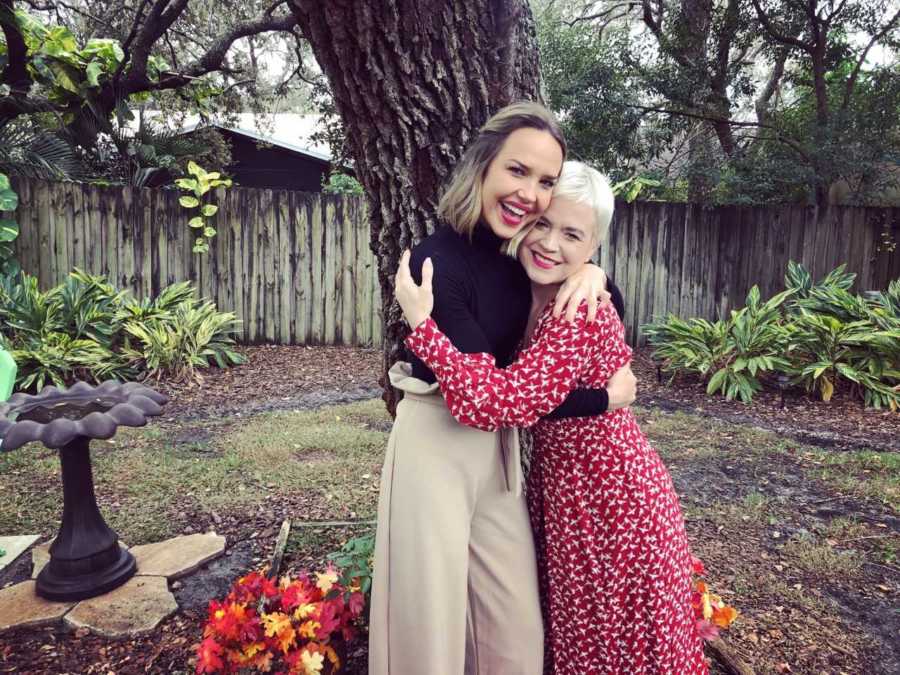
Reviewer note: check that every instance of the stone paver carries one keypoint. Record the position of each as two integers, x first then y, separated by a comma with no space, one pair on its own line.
20,606
174,558
40,556
136,608
14,547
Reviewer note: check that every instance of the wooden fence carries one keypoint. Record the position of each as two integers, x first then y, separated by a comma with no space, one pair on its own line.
692,260
297,268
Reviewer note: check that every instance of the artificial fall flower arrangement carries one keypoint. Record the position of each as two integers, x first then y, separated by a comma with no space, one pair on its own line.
712,614
288,627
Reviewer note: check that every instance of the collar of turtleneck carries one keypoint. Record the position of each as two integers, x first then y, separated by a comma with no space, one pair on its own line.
483,237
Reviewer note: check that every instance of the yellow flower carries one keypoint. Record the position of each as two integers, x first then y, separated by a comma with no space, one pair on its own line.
312,663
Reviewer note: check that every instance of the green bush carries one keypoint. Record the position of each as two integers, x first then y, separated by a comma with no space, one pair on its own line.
817,335
86,329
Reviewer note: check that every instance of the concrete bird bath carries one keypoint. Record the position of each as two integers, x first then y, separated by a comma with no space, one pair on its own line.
85,559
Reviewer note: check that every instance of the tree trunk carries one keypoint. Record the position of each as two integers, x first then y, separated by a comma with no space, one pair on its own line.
412,83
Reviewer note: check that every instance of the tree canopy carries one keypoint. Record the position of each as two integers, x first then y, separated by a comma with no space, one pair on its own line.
743,100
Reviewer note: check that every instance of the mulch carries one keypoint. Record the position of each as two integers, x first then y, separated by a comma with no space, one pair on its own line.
275,372
842,423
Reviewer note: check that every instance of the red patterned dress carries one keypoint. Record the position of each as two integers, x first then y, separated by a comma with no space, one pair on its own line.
613,555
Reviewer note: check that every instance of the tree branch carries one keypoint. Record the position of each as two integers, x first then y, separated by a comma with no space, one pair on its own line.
851,81
761,104
724,120
15,74
650,21
628,5
774,32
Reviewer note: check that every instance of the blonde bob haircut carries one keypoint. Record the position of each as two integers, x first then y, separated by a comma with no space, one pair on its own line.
583,185
460,204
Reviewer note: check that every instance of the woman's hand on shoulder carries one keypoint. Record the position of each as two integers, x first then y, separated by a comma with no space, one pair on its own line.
587,284
416,301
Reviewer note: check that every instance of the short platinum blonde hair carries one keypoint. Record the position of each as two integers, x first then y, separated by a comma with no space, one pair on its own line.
581,184
460,204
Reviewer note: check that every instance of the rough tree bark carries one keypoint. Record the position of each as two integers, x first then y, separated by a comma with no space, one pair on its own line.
412,81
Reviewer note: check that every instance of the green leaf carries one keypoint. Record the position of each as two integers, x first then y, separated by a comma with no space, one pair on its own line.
189,202
186,183
106,49
65,76
209,232
196,221
716,381
9,229
4,182
209,210
9,200
196,170
93,72
848,372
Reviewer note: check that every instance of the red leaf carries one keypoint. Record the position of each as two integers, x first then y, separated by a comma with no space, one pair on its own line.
208,657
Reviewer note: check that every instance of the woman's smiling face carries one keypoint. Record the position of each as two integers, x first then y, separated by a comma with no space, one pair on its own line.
518,183
559,243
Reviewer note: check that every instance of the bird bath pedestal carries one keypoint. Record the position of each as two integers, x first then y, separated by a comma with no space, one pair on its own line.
85,558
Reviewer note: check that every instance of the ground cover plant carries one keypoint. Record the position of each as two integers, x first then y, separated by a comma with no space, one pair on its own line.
816,336
86,329
802,540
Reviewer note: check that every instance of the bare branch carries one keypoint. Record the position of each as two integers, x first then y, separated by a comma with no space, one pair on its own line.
762,102
836,12
627,5
723,120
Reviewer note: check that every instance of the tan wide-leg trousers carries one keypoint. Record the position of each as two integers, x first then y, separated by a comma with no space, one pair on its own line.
455,583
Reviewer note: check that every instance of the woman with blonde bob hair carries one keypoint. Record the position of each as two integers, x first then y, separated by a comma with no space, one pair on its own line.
613,556
455,582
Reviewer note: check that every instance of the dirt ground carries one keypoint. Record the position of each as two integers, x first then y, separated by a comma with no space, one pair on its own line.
796,519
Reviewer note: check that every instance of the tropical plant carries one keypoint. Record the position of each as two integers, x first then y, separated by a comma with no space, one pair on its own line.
815,334
631,188
9,228
192,336
689,345
824,349
84,328
30,150
197,187
755,340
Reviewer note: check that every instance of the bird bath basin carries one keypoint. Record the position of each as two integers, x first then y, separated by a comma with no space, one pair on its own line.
85,558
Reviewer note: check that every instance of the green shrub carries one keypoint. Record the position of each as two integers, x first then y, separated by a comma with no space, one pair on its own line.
815,334
356,560
86,329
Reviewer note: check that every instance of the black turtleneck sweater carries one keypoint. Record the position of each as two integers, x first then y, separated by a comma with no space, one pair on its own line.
481,302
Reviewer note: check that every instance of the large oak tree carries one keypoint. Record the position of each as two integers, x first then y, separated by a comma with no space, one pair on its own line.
412,81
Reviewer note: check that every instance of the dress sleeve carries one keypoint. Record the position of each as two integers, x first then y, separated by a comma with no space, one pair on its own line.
480,394
589,402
